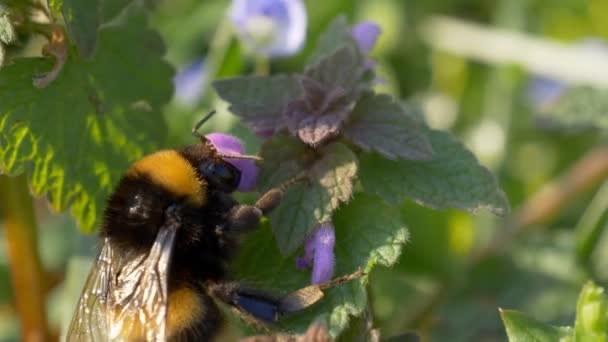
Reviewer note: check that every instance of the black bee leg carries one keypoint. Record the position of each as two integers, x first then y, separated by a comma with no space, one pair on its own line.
263,306
250,303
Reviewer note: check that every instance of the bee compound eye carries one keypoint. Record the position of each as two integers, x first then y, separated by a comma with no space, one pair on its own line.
223,175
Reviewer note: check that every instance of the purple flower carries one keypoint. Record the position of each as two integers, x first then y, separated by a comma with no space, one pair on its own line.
270,28
319,253
228,144
189,83
366,34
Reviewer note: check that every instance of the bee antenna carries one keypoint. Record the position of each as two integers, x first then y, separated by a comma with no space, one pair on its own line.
240,156
200,123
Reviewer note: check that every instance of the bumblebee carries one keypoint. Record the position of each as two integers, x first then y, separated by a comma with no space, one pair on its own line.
170,229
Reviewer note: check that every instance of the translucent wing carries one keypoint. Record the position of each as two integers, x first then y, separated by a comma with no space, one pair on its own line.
125,296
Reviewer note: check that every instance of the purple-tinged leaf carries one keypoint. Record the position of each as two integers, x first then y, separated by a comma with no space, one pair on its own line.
314,127
337,35
379,124
344,69
259,101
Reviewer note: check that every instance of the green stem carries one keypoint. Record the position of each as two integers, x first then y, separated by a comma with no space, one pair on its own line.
589,227
22,245
262,66
218,48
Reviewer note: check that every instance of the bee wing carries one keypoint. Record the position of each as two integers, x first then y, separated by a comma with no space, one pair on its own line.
90,321
125,297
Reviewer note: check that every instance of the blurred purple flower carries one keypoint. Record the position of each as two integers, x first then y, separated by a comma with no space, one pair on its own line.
228,144
189,83
270,28
366,34
544,90
319,253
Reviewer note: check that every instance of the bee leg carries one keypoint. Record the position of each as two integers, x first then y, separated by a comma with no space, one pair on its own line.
247,301
246,217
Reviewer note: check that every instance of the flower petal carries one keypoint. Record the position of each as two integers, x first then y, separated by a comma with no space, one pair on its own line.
189,83
270,27
319,253
228,144
366,34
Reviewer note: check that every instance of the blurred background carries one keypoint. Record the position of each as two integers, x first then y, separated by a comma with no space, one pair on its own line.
482,70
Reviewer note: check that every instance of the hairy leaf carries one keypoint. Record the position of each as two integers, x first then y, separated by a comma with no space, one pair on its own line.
259,100
522,328
75,137
336,36
578,108
307,203
368,232
381,125
314,125
452,179
283,158
8,35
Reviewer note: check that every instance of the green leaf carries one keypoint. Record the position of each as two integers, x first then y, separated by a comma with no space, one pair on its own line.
336,36
379,124
591,314
452,179
306,204
83,18
368,232
259,100
522,328
343,69
578,108
76,137
284,158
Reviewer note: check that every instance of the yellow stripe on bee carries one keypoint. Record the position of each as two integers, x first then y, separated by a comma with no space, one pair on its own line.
185,307
173,172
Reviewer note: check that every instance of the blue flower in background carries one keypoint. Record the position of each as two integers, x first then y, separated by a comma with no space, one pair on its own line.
319,253
189,83
544,90
271,28
366,34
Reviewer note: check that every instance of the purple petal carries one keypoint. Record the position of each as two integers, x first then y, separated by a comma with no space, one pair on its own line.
228,144
319,252
366,34
189,83
270,27
544,90
323,268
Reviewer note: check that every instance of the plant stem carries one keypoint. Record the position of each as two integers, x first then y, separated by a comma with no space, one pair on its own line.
262,66
589,227
22,245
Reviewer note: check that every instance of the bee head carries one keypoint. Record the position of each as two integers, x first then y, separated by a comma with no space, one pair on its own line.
211,164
